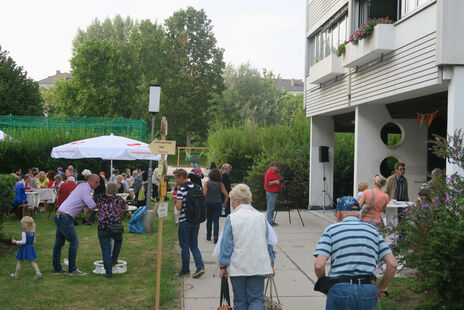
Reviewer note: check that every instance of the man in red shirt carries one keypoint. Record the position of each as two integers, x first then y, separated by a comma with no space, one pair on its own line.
273,186
65,190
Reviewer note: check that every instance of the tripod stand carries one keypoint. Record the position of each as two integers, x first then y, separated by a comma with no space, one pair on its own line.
287,202
325,195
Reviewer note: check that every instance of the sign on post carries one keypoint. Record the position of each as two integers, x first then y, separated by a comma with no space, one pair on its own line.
163,147
163,209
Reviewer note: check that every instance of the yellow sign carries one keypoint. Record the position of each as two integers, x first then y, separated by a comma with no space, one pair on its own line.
164,187
163,147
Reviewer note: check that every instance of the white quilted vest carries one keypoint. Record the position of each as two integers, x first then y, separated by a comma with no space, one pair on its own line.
250,256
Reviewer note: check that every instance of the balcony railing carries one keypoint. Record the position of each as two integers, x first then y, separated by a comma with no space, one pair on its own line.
326,69
367,50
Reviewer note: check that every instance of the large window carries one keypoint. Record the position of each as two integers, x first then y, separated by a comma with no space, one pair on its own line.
325,41
365,9
407,6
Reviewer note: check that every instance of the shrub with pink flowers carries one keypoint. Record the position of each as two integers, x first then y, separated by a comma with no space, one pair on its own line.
432,231
366,29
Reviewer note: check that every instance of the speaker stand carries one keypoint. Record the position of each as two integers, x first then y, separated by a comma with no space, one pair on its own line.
325,195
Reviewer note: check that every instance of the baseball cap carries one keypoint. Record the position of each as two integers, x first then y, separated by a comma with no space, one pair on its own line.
347,203
86,172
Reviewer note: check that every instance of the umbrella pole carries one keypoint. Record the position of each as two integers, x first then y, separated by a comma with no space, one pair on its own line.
111,169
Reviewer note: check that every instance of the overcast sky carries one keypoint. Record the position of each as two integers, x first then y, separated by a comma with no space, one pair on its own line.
267,33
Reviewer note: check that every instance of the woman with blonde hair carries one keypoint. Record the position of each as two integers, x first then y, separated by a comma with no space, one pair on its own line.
42,180
374,202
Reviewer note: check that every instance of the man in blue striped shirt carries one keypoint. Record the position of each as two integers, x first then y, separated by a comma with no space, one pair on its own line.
355,248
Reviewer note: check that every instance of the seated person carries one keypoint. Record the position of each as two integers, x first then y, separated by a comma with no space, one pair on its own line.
20,196
42,180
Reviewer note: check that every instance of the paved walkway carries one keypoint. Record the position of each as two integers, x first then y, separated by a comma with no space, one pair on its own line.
295,276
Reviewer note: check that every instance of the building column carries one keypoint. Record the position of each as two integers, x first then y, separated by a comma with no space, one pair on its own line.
455,110
369,149
322,134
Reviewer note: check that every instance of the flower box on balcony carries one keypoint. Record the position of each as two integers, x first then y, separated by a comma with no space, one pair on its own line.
380,42
326,69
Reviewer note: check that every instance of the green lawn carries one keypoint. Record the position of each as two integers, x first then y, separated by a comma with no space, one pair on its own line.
134,289
404,294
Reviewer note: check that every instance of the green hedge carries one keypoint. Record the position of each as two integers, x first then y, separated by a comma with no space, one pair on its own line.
250,149
7,184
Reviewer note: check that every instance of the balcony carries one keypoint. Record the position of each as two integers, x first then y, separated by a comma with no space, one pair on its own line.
380,42
326,69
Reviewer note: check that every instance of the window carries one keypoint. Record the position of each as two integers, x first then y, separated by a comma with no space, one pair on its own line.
326,40
407,6
366,9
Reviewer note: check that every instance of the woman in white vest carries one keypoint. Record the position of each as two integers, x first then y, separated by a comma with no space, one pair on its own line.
246,254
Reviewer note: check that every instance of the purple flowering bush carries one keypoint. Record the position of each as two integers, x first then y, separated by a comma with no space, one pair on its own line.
432,232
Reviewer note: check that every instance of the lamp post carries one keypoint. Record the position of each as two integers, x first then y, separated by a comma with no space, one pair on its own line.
153,108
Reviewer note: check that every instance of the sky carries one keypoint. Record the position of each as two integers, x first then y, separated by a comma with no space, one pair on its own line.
269,34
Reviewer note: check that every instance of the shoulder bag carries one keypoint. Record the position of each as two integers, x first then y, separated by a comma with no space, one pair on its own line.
365,209
269,302
225,296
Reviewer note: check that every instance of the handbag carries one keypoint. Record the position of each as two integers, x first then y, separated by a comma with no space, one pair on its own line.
225,296
116,228
269,303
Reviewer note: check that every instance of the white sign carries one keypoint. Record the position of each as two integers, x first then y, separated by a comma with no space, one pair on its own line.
154,100
163,209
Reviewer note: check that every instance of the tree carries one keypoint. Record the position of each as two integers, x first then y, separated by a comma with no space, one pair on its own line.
194,66
249,96
113,65
116,30
19,94
104,81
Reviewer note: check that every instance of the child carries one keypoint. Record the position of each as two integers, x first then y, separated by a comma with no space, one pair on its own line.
26,250
362,186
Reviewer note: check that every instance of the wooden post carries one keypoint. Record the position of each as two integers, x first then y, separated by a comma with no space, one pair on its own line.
160,220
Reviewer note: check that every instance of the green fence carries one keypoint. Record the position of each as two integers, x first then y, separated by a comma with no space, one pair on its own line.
119,126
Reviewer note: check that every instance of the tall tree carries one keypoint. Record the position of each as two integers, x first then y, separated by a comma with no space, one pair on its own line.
194,68
115,30
104,81
249,96
113,64
19,94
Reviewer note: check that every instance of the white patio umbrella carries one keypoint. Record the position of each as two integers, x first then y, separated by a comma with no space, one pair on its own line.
105,147
3,136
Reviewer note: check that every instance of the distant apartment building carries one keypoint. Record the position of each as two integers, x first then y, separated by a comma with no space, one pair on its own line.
406,81
292,86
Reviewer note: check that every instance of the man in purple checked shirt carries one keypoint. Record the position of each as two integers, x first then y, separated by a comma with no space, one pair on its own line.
69,209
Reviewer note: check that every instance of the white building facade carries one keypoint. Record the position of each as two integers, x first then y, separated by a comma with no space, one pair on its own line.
377,87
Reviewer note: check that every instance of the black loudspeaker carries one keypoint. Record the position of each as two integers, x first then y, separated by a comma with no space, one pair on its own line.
323,154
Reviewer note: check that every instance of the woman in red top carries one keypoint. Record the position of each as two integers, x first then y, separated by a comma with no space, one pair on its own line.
380,202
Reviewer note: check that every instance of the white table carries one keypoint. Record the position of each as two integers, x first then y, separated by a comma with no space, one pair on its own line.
33,199
392,211
46,195
391,217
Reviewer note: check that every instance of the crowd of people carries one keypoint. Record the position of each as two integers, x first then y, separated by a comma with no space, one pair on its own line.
92,192
354,244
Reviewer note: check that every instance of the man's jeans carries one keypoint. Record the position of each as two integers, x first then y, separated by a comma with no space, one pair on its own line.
346,296
105,244
65,232
188,239
248,292
213,210
271,204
